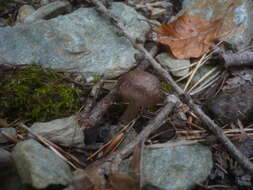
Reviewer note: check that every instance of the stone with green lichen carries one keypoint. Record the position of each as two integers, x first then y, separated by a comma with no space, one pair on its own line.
37,94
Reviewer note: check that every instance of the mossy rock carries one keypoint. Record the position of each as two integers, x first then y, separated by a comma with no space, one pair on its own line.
38,94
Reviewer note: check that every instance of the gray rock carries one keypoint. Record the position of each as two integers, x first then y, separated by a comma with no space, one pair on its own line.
65,131
39,166
238,19
167,61
8,174
83,41
178,167
10,131
5,159
23,13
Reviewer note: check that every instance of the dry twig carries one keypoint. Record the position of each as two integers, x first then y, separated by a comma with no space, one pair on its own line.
83,116
9,137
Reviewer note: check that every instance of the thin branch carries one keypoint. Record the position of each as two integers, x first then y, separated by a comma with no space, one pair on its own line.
89,103
99,110
243,58
9,137
210,124
207,83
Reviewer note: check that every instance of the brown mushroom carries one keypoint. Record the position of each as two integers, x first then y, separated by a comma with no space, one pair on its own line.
141,89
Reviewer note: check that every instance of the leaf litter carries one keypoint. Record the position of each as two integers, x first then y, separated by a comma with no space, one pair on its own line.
187,37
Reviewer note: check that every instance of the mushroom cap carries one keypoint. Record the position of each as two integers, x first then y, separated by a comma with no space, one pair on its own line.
140,87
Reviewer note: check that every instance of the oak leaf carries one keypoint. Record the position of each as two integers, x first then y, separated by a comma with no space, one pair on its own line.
189,36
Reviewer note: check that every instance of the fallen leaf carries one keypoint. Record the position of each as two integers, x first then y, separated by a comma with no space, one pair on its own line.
189,36
122,182
94,179
91,179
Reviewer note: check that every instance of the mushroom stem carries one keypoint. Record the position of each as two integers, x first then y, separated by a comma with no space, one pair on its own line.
130,113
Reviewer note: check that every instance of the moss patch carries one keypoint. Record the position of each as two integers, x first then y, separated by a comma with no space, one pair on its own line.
37,94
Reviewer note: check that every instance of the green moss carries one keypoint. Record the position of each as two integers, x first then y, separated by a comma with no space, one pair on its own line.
37,94
166,87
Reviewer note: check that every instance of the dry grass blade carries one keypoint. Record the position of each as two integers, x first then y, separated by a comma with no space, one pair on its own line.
184,67
185,77
200,63
114,142
206,83
202,79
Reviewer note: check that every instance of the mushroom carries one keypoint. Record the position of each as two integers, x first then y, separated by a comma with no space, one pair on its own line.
141,89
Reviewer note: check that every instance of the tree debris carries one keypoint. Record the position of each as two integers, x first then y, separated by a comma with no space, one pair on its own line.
210,124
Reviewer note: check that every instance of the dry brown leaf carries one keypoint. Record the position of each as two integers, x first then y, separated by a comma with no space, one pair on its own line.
90,179
189,36
94,179
122,182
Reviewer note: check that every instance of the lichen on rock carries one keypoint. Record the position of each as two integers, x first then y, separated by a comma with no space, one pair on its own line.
37,94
